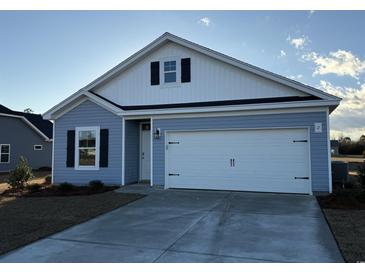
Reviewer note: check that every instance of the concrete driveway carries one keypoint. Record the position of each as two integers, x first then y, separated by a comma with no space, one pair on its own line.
195,226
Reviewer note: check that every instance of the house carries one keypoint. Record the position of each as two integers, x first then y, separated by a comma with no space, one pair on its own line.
24,134
335,145
180,115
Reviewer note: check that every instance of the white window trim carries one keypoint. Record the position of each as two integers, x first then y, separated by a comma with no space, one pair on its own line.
34,147
5,153
97,148
178,72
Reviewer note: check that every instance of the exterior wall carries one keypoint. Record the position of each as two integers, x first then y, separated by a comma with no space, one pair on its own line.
21,138
318,141
88,114
223,81
131,151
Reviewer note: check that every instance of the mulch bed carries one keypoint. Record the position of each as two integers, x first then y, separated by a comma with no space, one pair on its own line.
345,213
26,219
53,190
344,199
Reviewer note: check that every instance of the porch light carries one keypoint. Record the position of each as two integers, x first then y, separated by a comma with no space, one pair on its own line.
157,133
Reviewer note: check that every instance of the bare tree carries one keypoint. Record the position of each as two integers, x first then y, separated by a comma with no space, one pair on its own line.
28,110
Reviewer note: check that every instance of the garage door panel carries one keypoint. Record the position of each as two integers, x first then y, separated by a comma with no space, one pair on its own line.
264,160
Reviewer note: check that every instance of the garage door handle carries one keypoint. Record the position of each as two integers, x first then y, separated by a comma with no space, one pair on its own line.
300,141
174,174
301,178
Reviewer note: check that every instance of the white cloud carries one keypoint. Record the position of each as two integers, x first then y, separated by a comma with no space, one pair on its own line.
205,21
340,62
296,77
348,118
282,54
299,42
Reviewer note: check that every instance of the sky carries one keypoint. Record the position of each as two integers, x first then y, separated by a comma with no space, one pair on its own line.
45,56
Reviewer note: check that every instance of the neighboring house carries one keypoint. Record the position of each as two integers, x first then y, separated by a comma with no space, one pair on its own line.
24,134
179,115
335,147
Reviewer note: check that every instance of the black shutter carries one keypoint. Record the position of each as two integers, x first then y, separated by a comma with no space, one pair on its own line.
185,70
104,147
155,73
70,162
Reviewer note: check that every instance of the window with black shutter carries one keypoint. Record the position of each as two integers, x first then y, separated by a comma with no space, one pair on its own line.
155,73
70,161
104,147
185,70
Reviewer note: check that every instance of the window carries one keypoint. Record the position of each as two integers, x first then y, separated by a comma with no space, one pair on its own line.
170,71
87,147
38,147
4,153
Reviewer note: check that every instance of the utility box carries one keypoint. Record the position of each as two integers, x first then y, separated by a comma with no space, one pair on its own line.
340,171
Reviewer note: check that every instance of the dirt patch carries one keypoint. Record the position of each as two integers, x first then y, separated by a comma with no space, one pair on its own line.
345,199
39,177
27,219
54,190
348,227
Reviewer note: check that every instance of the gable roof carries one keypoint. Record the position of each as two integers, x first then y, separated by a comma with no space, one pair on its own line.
36,122
168,37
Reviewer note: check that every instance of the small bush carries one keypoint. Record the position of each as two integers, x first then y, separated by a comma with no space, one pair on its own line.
48,180
64,187
44,168
20,175
96,184
33,187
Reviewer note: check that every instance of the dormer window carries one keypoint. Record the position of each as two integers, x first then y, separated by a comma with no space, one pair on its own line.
170,71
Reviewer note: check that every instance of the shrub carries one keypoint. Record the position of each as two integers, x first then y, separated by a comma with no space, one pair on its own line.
44,168
64,187
48,180
33,187
96,184
20,175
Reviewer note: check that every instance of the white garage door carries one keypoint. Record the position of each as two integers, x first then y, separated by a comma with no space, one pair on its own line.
270,160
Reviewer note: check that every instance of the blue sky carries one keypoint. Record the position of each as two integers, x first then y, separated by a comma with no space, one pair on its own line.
46,56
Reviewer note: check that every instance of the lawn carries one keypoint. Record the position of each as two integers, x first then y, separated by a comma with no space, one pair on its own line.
26,219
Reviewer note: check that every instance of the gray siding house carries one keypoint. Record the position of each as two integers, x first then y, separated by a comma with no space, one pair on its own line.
179,115
24,134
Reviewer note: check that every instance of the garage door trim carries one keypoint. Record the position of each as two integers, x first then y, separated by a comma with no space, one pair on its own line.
166,140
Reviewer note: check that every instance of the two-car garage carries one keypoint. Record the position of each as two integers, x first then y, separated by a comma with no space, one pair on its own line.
268,160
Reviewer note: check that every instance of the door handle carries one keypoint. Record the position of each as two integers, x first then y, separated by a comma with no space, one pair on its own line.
232,162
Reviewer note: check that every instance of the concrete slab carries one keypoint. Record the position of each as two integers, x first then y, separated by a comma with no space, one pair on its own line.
56,251
194,226
188,257
259,236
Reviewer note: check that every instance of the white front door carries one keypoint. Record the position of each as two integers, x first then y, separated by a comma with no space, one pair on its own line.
145,153
268,160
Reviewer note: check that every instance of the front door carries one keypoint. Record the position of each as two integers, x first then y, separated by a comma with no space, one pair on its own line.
145,153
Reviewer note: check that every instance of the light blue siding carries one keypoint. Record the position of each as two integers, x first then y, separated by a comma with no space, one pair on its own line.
21,138
131,151
318,141
88,114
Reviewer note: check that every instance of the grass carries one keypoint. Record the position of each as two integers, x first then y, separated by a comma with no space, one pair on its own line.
27,219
